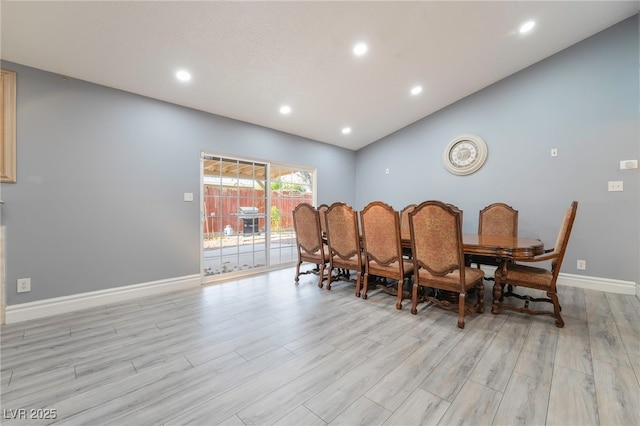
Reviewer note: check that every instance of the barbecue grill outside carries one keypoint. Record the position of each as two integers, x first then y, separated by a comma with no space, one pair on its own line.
250,219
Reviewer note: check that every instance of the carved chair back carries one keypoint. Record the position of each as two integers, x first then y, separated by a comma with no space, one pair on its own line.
436,238
498,219
381,233
343,232
306,223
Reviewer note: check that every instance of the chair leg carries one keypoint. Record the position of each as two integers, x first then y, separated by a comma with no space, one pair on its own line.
461,309
329,276
414,298
359,284
298,273
400,293
321,275
365,286
556,309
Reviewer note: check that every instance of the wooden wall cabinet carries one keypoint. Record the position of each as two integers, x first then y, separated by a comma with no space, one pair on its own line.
8,127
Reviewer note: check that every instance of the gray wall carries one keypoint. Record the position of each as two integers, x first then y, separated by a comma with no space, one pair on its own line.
101,172
584,101
98,201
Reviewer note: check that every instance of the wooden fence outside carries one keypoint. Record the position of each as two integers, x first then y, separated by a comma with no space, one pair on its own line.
222,206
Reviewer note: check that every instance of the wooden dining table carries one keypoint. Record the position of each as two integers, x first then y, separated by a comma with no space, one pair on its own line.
502,248
511,248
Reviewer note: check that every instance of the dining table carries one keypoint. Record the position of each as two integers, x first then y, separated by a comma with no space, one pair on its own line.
503,248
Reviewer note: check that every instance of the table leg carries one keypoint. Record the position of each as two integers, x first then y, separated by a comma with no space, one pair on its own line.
498,287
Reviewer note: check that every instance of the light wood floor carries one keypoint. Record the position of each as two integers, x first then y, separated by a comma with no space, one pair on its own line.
263,351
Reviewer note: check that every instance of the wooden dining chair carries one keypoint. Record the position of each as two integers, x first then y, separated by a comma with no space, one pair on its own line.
382,247
310,245
343,239
495,219
523,275
439,263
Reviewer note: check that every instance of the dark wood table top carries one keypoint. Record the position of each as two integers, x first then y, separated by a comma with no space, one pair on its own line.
498,246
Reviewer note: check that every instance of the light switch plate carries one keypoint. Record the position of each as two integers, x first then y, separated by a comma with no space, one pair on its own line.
188,196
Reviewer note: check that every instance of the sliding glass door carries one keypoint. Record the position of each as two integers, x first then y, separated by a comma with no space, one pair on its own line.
246,214
289,187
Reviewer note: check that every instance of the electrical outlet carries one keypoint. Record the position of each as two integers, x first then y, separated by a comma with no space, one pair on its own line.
188,196
387,171
581,265
554,152
615,185
24,285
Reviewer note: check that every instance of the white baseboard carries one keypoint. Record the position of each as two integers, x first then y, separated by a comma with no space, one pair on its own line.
76,302
601,284
590,283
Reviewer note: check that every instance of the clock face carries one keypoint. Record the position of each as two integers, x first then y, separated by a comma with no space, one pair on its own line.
465,154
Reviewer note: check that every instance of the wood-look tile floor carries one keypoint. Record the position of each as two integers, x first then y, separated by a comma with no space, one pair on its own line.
263,351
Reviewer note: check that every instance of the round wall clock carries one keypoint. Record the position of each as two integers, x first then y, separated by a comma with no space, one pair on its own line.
465,154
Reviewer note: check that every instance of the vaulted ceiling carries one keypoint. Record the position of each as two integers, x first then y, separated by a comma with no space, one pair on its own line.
248,59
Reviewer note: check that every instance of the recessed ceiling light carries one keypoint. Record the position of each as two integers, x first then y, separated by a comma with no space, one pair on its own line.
416,90
346,130
527,26
360,49
285,109
183,75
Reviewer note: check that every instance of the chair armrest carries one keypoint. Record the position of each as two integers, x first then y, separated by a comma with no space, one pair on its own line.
540,258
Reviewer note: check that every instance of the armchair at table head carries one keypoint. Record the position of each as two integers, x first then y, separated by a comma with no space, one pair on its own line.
436,240
519,275
496,219
343,239
309,243
382,247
